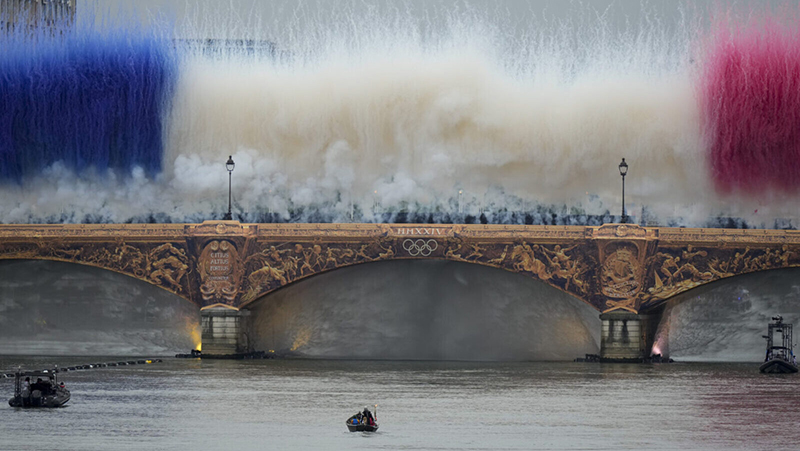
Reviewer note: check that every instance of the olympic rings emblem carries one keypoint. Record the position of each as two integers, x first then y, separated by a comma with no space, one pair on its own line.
420,247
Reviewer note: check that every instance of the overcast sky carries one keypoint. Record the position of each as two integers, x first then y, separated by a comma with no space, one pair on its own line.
276,12
269,7
277,17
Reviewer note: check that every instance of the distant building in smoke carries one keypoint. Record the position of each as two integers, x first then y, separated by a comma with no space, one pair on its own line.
34,14
258,48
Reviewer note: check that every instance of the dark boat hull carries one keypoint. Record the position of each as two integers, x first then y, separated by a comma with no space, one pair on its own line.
56,400
778,366
362,428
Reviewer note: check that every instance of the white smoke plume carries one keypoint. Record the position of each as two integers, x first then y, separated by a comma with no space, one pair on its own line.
363,113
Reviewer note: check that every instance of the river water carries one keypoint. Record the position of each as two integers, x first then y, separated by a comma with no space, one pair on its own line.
302,404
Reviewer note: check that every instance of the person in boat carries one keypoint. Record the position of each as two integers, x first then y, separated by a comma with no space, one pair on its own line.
26,387
38,385
45,387
368,418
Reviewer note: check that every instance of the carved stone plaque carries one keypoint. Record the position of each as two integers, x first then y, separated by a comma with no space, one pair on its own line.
220,272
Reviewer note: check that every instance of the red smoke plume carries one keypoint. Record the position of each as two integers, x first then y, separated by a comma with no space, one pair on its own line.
750,103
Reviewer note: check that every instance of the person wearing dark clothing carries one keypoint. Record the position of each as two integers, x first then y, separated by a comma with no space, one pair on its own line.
368,418
44,387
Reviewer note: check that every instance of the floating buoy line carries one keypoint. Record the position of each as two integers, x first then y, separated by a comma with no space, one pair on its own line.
90,366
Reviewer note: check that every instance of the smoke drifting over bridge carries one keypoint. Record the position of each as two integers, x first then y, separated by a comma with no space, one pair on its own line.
445,115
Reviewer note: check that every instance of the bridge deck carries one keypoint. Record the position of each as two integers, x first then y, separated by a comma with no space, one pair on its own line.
611,267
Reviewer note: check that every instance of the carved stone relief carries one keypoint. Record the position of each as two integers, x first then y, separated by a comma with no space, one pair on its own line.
220,269
621,273
611,266
165,265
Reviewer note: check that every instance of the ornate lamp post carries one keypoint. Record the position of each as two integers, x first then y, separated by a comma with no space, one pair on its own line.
229,165
623,169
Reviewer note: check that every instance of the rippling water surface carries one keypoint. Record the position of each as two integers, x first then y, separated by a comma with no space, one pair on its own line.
302,404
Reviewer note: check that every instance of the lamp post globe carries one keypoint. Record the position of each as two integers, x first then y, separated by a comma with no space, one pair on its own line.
229,165
623,170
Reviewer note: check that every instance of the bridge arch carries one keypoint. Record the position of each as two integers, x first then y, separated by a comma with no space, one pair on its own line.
268,269
143,274
271,265
425,309
724,320
620,269
62,308
696,289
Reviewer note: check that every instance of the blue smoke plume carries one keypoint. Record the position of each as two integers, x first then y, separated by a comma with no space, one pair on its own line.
83,97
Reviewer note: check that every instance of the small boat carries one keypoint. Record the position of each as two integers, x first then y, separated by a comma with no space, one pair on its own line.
45,392
364,421
780,357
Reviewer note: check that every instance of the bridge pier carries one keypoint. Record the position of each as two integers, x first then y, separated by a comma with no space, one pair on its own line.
224,331
627,336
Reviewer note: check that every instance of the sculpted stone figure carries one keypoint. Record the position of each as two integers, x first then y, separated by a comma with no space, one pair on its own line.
499,260
171,270
785,256
525,260
558,255
452,248
669,267
475,252
330,259
311,258
362,253
265,275
388,252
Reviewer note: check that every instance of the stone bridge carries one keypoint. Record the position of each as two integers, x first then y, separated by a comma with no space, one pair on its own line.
624,271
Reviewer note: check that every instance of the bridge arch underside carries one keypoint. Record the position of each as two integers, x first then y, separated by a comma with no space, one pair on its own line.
725,320
425,309
58,308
